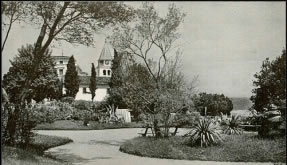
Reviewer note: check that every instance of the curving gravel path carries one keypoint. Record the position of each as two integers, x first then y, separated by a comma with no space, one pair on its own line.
101,147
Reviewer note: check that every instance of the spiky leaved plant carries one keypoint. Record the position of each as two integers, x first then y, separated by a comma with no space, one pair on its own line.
232,126
204,133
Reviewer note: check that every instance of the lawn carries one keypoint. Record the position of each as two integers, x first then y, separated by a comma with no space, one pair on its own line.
41,143
78,125
243,148
33,154
16,156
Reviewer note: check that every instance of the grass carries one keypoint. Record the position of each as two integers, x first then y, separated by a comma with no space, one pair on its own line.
78,125
16,156
240,148
33,154
41,143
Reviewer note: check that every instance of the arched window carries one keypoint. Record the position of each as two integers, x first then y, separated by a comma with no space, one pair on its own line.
109,72
104,72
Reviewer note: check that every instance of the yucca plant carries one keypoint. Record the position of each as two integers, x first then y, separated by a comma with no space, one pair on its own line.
232,126
204,133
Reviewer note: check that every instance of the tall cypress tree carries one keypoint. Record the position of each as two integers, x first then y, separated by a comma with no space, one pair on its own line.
72,81
93,85
116,82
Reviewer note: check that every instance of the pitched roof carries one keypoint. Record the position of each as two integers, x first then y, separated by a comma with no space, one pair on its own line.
80,71
85,80
61,57
105,54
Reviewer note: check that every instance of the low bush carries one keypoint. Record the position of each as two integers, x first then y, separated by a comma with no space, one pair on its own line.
232,126
204,134
50,112
69,100
272,123
17,130
79,125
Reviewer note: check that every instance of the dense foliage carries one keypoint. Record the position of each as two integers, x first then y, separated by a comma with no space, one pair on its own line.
16,128
43,85
74,22
152,83
270,85
116,82
93,83
216,104
72,81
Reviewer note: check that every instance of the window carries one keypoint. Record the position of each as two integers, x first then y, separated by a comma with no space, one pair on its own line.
109,72
104,72
101,62
107,62
61,62
61,72
84,90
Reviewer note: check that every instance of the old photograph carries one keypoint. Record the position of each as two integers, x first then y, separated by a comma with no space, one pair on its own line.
143,82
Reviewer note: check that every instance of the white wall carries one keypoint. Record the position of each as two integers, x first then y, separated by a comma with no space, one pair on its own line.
125,113
101,93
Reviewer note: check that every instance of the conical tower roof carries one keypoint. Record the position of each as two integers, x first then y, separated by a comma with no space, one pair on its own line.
106,54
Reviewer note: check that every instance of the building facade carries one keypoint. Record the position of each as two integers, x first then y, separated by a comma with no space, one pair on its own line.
103,72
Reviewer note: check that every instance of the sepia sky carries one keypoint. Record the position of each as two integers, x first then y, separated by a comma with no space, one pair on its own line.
224,43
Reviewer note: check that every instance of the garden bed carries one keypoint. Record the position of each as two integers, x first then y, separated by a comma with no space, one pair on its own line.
41,143
33,154
243,148
78,125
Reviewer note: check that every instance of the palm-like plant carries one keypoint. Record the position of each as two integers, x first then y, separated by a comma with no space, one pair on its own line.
204,133
232,126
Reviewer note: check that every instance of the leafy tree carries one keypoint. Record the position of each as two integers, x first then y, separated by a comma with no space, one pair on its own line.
74,22
160,89
72,81
43,86
116,82
58,93
215,104
93,84
19,122
11,12
270,85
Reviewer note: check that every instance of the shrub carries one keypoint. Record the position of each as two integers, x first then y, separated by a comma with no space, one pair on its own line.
86,121
204,133
44,113
18,129
270,124
232,126
69,100
83,105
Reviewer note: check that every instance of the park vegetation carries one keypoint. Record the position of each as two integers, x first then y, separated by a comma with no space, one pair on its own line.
72,22
72,81
154,88
93,84
151,84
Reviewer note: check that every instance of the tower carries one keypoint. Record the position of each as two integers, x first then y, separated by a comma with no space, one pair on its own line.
105,63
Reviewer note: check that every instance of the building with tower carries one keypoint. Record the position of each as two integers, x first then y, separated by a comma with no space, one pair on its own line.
103,71
105,63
